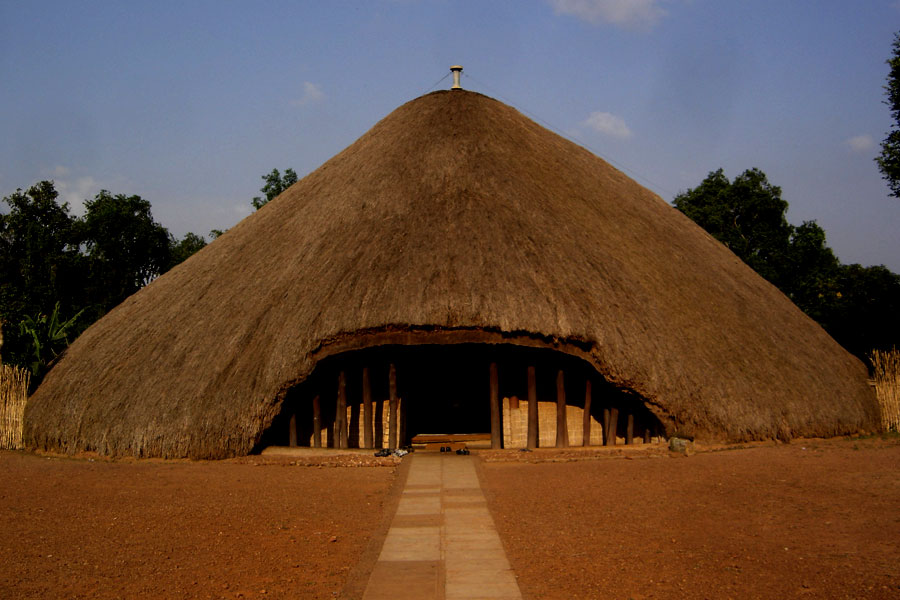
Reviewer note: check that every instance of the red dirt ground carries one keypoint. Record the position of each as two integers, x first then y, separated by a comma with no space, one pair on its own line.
812,519
179,529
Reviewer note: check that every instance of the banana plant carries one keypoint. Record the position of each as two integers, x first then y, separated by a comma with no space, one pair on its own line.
48,337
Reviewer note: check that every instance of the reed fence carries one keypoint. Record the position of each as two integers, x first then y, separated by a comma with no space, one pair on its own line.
13,395
886,366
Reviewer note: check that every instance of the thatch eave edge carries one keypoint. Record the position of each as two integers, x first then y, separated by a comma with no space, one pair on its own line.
412,335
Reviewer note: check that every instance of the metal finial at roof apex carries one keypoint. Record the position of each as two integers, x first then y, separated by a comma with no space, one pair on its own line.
456,69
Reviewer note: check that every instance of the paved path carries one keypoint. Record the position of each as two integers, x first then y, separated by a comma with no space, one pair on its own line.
442,543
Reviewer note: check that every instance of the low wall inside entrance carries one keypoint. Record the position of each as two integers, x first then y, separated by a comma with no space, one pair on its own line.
465,388
515,426
356,426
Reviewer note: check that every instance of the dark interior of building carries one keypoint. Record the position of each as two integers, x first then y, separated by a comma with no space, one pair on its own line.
444,389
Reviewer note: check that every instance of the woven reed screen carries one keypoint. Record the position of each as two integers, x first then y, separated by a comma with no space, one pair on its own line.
356,425
13,395
887,387
515,425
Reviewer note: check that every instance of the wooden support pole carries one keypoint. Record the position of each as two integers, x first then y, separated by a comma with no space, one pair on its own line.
340,417
532,410
378,417
317,422
605,426
401,417
562,427
629,430
367,409
392,417
292,431
613,426
586,436
496,431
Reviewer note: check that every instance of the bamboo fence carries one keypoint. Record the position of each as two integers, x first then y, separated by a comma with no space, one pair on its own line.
886,365
13,395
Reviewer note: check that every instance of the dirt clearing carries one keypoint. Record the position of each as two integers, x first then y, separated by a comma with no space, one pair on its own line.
179,529
812,519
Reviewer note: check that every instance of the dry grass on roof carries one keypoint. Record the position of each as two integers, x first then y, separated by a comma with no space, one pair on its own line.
454,213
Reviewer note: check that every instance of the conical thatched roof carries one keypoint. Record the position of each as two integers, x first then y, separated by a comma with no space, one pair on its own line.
453,219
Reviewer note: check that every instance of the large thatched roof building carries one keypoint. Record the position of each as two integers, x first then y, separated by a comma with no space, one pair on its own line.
450,257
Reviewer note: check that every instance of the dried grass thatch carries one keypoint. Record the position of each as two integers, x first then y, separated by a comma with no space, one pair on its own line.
13,396
886,367
454,219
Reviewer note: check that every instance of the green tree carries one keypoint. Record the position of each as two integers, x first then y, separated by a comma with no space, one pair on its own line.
889,161
810,271
126,248
48,336
187,246
275,184
747,215
859,306
865,312
40,263
53,264
38,250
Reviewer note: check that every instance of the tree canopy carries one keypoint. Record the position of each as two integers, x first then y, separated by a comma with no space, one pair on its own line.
126,248
183,249
275,184
747,215
889,160
60,273
859,306
41,266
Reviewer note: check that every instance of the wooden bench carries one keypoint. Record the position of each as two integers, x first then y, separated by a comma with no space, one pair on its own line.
433,442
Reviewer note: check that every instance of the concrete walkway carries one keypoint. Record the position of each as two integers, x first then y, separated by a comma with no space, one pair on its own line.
442,543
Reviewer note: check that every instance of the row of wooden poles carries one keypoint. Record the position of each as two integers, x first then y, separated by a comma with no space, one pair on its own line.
340,418
610,414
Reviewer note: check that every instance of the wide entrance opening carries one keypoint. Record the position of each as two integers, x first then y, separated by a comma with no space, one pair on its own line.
502,395
445,391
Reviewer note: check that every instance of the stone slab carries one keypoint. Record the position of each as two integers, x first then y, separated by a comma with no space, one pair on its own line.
407,579
442,543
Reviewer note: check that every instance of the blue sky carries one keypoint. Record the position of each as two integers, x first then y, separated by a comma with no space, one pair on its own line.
189,103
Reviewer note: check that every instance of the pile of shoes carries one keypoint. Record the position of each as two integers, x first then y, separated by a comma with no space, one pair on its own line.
400,452
461,451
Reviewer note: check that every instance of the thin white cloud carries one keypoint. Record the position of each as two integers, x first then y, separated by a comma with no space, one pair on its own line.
76,191
629,14
312,94
608,124
861,143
